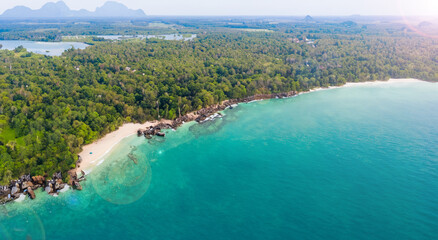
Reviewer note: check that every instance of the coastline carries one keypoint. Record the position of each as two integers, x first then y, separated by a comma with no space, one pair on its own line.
104,145
95,151
94,154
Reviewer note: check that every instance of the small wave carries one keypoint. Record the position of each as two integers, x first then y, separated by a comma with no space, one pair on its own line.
65,189
100,162
255,101
21,198
212,117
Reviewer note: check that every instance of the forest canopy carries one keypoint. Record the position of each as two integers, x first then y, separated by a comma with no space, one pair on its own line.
51,106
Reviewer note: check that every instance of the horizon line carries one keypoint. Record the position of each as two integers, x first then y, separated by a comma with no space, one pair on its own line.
219,15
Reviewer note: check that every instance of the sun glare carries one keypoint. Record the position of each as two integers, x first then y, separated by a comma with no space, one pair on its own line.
418,8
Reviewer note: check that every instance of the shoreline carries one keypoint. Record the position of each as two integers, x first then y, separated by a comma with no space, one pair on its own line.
104,145
95,151
93,154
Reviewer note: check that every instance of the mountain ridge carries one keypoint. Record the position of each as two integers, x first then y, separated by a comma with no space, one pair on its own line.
110,9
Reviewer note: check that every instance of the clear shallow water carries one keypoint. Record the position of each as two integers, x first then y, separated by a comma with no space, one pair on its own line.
46,48
347,163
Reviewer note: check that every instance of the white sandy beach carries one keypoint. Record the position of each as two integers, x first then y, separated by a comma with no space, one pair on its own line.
405,80
105,144
102,146
369,83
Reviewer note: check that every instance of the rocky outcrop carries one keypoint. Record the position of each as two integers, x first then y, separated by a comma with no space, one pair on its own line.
74,180
207,113
77,185
155,130
27,184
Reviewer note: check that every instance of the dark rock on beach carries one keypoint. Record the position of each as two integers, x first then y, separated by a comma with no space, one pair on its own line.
77,185
27,184
38,180
31,193
207,113
49,188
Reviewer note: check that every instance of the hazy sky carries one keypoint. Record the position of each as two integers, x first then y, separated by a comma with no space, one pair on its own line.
256,7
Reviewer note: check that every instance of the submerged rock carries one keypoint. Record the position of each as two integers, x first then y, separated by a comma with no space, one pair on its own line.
133,158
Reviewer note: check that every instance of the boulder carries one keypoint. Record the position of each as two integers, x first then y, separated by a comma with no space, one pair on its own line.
77,185
38,179
4,191
49,188
15,189
31,193
26,185
59,184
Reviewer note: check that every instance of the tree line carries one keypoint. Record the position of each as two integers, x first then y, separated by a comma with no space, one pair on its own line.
51,106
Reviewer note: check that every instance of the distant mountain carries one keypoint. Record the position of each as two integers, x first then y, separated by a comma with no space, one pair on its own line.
425,24
308,18
117,9
349,24
61,10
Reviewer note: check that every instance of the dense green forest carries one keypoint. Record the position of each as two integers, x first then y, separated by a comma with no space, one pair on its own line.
51,106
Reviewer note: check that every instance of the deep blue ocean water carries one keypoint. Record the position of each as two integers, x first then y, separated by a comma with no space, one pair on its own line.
346,163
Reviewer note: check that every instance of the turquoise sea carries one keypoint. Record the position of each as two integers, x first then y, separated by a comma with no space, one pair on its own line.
345,163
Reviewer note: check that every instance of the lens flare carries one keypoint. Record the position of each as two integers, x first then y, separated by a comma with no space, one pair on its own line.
27,224
125,180
4,233
421,6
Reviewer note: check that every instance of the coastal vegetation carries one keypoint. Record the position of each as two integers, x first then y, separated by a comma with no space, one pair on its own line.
51,106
